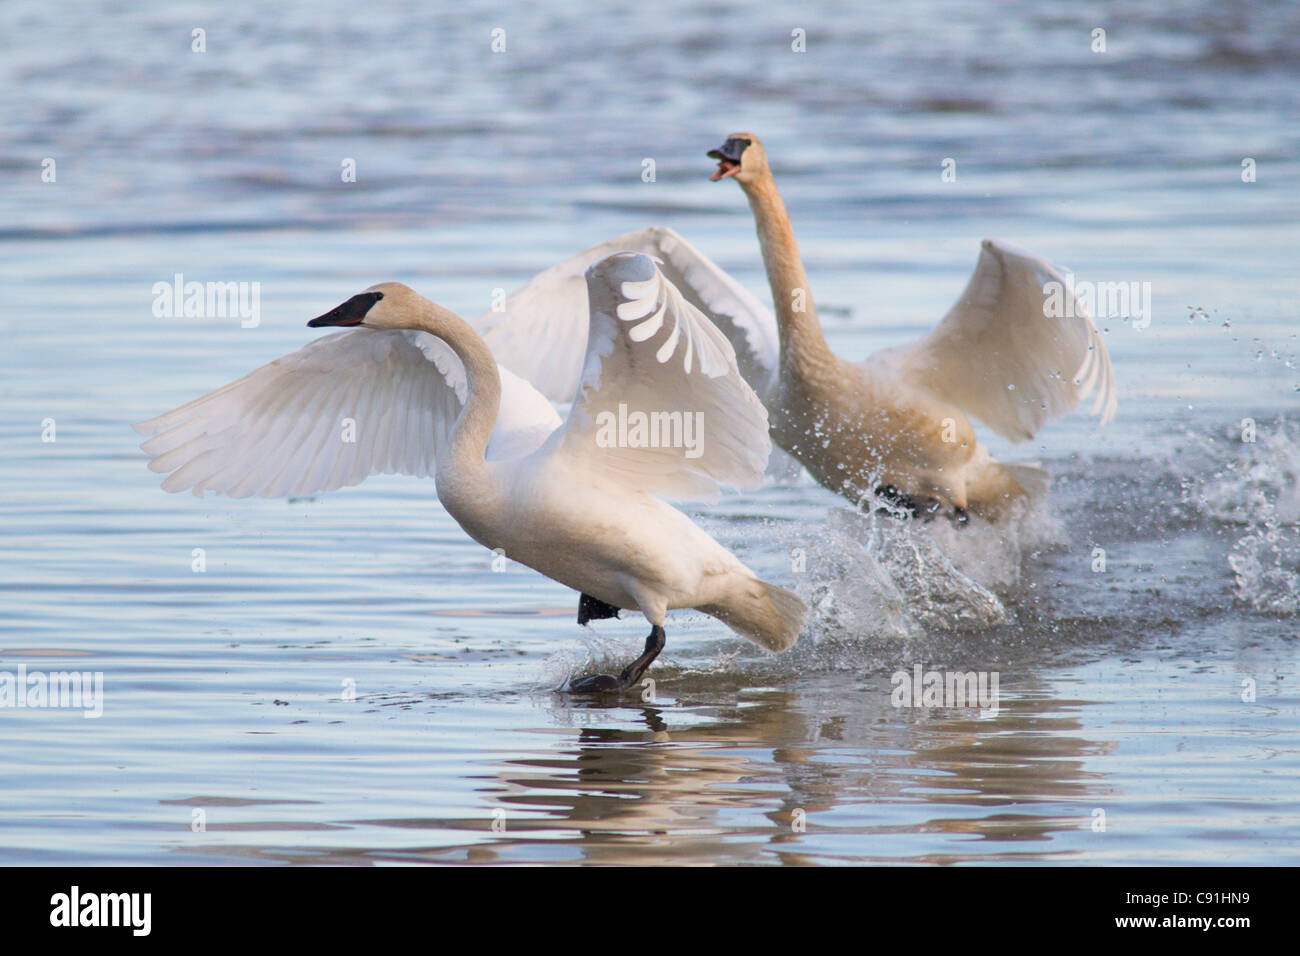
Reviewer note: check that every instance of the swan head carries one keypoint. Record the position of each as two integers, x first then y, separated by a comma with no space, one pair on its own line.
740,158
387,305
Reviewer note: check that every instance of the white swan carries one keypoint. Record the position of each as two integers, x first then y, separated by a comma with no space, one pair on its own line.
899,424
573,500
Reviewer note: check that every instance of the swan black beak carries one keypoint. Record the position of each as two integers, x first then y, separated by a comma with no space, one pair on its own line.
728,157
350,312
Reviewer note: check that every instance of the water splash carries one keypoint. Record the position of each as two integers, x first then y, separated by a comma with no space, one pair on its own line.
872,576
593,653
1257,487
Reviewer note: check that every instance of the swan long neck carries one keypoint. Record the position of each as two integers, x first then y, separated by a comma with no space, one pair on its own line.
803,348
468,436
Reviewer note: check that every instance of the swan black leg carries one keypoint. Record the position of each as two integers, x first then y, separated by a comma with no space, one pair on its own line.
654,643
631,675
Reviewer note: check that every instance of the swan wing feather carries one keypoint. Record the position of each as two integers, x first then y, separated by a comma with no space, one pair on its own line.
346,406
661,405
1001,357
541,331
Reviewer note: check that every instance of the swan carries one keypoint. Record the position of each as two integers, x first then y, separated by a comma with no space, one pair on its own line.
569,499
899,425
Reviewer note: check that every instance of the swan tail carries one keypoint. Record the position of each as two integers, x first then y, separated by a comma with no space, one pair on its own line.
1034,480
768,615
999,485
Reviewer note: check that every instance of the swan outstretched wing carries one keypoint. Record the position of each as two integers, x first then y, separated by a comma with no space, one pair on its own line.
349,405
541,333
1003,356
660,405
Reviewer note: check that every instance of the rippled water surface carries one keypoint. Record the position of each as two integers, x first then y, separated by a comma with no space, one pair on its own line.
349,680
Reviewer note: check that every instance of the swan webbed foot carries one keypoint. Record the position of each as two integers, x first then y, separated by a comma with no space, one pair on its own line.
896,499
926,509
630,675
596,684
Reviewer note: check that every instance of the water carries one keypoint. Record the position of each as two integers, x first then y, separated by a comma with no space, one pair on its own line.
226,692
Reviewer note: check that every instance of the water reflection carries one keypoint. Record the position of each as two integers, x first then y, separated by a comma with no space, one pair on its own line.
767,775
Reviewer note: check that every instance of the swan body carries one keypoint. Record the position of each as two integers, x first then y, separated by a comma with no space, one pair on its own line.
426,396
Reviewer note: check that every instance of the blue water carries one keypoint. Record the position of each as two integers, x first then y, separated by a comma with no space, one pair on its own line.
228,733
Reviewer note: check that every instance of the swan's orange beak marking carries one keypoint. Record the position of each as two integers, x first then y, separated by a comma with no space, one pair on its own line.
728,157
350,312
